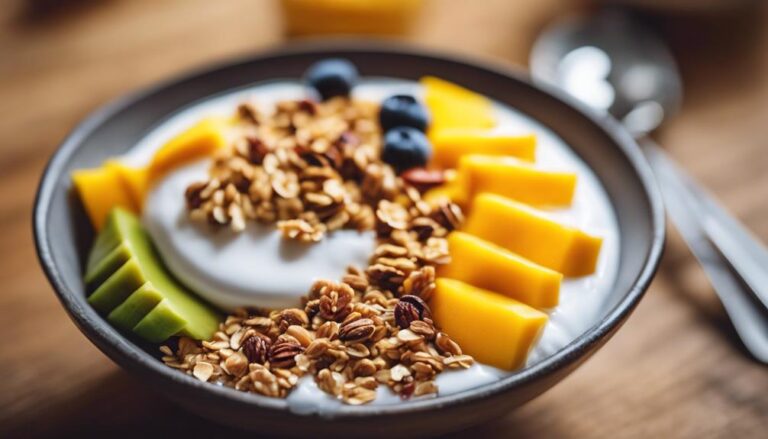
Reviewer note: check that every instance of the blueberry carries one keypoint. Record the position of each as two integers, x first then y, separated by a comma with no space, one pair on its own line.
403,110
331,77
405,148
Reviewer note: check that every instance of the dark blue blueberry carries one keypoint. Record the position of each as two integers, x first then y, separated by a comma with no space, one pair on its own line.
405,148
331,77
403,110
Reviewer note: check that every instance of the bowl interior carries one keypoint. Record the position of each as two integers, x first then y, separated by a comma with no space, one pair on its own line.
63,233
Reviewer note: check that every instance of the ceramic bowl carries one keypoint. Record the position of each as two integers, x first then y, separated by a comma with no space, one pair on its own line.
63,235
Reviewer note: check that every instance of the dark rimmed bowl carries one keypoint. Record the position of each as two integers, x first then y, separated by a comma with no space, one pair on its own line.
62,235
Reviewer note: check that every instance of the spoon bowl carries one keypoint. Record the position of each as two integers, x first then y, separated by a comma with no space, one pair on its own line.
612,63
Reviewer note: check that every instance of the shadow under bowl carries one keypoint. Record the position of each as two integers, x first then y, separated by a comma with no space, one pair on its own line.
63,235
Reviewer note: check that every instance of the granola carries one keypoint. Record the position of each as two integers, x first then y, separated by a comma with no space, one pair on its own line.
312,168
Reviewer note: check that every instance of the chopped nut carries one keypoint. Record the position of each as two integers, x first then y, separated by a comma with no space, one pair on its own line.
445,345
364,368
236,339
393,215
456,361
420,283
423,329
236,364
261,324
335,299
435,251
423,179
425,388
264,381
292,316
329,330
411,308
399,372
256,348
405,313
358,350
448,215
301,230
358,395
330,382
283,352
303,336
407,336
216,345
203,371
317,348
356,281
385,277
357,331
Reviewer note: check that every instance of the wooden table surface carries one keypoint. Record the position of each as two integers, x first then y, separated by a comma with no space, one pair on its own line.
675,370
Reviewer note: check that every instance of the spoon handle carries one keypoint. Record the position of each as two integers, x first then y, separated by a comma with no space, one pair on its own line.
736,243
730,256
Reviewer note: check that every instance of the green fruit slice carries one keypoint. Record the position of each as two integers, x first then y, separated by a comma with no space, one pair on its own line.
104,268
163,321
133,288
129,313
106,241
121,284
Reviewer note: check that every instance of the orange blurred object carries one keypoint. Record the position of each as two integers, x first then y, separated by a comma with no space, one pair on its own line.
323,17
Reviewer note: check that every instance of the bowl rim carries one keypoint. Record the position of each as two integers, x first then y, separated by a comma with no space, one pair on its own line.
114,344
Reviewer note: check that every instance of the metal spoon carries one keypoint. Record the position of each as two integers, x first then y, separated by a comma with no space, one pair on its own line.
623,70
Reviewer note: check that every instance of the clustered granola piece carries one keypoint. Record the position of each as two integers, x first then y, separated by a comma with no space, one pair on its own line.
371,328
310,167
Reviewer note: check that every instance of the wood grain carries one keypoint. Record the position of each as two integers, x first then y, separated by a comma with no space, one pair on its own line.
676,370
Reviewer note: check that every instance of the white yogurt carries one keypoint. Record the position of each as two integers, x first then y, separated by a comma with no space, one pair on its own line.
257,267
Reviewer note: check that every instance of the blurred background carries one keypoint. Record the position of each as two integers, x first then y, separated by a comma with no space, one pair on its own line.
676,369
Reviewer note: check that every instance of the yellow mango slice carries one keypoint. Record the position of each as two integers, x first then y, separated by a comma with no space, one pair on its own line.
518,180
134,180
485,265
453,106
528,232
201,140
449,145
494,329
101,189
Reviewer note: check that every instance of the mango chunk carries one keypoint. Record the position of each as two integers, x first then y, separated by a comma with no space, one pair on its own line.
453,106
514,179
485,265
528,232
134,180
201,140
494,329
100,190
449,145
